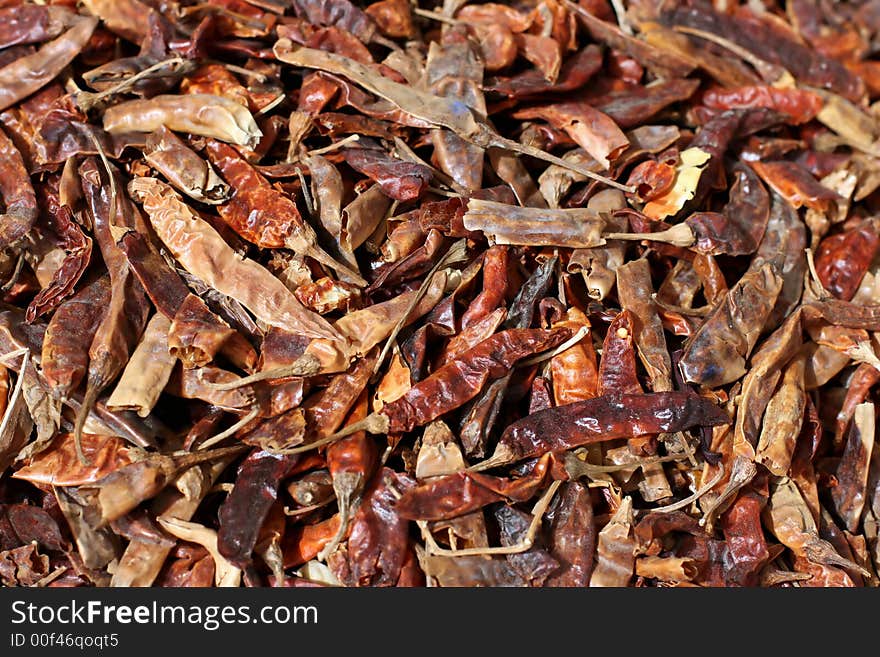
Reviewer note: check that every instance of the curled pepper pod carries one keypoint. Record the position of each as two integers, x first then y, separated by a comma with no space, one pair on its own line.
183,168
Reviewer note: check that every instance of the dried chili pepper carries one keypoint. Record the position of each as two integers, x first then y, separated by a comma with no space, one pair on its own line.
605,418
716,353
78,252
29,73
121,326
196,334
261,214
244,511
18,196
461,379
481,415
69,334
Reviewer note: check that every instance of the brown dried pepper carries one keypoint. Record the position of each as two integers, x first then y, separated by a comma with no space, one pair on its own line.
717,352
453,68
30,24
121,326
852,471
78,253
572,535
495,263
738,229
351,462
19,199
70,333
399,180
480,417
617,367
605,418
30,73
457,494
575,372
378,546
842,259
243,512
746,546
796,185
183,168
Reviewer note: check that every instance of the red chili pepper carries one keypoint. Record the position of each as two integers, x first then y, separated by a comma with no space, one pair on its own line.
605,418
494,286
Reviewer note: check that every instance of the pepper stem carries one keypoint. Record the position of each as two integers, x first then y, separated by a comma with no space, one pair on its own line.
678,235
244,421
305,365
189,459
93,389
328,261
502,456
345,485
375,423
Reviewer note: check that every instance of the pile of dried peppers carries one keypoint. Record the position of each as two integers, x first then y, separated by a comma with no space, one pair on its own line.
543,293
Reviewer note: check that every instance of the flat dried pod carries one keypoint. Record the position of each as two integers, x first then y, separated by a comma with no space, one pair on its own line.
198,114
183,168
717,353
510,224
29,73
615,561
19,199
59,465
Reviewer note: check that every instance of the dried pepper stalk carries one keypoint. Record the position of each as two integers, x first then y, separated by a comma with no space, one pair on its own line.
384,293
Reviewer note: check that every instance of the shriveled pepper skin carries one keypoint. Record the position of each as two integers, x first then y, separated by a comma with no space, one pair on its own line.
606,418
